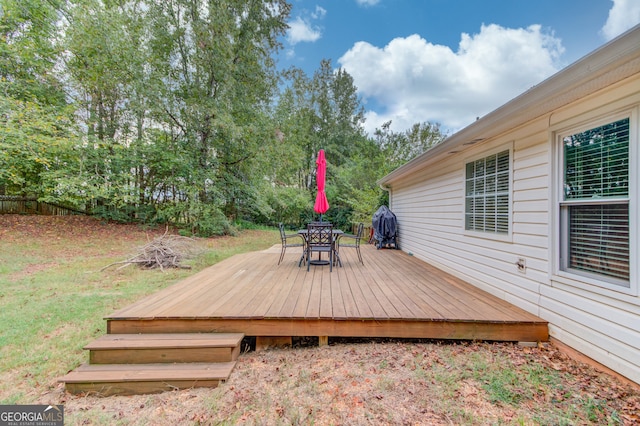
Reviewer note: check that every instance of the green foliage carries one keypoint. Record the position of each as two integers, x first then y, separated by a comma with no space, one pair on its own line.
398,148
196,218
29,51
173,112
36,126
324,112
35,140
289,205
356,186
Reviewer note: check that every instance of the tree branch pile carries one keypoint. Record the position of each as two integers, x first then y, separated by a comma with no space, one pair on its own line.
167,251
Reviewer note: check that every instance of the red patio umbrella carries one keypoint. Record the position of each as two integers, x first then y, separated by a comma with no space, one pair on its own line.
322,204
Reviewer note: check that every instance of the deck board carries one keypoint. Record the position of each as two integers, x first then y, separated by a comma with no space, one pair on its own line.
393,294
274,304
339,309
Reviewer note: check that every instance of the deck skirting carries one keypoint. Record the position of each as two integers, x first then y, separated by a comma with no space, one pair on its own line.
416,329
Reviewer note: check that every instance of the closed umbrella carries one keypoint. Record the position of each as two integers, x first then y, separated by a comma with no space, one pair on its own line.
322,204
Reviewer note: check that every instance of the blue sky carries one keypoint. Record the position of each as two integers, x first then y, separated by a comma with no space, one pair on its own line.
447,61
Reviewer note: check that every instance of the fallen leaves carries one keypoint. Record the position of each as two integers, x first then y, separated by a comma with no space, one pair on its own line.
371,382
345,384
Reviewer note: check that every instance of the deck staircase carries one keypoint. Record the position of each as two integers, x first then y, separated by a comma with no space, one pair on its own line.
130,364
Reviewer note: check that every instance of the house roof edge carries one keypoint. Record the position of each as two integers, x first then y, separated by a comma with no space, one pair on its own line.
610,63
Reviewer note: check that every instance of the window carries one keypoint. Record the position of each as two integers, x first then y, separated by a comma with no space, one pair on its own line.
487,194
594,209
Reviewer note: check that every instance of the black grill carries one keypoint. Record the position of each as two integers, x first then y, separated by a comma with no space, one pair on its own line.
385,228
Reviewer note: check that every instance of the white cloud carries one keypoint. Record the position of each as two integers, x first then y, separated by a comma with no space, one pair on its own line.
319,13
367,3
302,30
623,15
415,81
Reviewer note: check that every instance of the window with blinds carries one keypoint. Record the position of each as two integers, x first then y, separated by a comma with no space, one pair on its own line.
487,194
595,206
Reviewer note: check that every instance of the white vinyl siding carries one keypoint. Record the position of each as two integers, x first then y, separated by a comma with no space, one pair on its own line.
430,206
590,315
487,196
594,211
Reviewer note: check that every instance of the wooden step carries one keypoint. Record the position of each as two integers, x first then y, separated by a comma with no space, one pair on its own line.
136,379
167,347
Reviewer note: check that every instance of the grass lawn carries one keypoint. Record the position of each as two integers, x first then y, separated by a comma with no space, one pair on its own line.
53,297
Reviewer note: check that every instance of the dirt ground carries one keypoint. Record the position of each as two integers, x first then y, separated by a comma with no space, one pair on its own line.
381,382
56,228
352,382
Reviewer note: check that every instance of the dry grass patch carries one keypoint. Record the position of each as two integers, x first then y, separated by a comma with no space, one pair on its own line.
395,382
49,312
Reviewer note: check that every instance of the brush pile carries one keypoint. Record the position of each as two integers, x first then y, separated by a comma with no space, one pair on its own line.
167,251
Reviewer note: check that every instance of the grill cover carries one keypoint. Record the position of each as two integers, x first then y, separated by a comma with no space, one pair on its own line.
385,227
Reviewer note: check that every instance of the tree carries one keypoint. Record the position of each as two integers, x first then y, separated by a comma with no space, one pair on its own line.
355,184
36,124
212,75
322,112
398,148
339,116
29,50
172,111
174,98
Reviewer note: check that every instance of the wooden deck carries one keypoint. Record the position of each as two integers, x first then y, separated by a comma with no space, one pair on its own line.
393,295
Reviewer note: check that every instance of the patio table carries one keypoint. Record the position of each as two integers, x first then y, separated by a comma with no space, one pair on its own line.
335,234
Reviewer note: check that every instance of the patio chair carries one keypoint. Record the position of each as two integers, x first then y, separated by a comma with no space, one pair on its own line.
285,238
320,240
354,244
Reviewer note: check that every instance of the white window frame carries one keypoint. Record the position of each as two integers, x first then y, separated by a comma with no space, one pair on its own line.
589,281
505,236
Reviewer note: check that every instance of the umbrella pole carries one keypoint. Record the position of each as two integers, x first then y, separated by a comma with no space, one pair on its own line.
319,253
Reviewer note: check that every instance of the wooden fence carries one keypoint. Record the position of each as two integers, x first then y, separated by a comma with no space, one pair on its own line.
30,205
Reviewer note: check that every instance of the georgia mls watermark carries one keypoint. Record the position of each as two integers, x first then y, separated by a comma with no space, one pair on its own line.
31,415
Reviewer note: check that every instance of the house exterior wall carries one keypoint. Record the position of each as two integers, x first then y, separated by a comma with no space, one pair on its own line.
600,322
